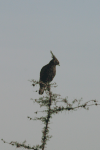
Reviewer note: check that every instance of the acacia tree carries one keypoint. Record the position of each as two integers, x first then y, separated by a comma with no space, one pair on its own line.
50,101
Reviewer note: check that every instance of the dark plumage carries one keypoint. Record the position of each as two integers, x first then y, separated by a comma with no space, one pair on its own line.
47,73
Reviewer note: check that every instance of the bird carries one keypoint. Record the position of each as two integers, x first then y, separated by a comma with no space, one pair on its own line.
47,74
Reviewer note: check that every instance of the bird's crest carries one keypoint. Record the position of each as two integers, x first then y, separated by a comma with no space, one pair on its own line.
54,58
52,54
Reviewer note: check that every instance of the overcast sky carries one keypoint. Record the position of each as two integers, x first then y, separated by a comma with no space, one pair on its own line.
29,29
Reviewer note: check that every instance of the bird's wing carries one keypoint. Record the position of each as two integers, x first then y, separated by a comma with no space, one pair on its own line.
44,73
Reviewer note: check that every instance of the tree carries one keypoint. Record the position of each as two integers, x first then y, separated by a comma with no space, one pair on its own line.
50,102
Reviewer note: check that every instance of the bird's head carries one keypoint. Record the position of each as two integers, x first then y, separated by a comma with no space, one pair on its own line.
54,60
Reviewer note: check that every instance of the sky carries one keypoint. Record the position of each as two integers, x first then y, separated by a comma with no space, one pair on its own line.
29,29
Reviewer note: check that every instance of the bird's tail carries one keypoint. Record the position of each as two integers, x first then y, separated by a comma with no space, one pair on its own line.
41,90
42,87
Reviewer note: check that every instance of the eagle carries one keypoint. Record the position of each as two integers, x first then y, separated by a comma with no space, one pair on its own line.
47,74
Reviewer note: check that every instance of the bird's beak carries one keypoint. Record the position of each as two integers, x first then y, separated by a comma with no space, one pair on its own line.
58,64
